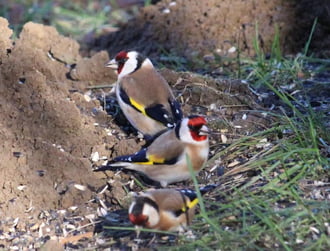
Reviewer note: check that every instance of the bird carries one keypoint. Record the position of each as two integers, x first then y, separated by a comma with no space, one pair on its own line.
165,159
165,209
144,95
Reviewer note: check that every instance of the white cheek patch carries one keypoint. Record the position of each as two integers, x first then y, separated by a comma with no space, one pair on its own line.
185,135
129,67
152,214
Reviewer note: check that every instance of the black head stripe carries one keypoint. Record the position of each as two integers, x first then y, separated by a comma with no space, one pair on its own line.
192,116
177,129
140,59
140,202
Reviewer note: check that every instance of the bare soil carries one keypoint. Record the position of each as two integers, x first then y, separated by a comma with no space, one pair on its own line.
195,29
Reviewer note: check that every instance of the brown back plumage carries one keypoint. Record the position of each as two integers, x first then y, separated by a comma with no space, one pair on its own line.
154,86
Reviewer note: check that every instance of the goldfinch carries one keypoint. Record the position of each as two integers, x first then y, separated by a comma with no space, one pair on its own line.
165,159
165,209
144,95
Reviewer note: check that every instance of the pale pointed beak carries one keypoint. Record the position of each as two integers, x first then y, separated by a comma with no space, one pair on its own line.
112,64
204,130
138,231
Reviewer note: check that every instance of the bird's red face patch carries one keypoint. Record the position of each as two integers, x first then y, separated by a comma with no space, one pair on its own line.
140,220
195,124
121,58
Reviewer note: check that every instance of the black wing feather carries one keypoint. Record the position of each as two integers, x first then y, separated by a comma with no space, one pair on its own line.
140,156
158,112
176,110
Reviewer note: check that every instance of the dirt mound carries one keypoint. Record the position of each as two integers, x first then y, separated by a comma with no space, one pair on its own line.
193,28
47,128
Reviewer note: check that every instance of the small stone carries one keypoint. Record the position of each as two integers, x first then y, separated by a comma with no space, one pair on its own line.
232,49
95,156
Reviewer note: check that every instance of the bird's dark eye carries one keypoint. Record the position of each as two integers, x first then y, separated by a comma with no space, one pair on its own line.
194,127
122,60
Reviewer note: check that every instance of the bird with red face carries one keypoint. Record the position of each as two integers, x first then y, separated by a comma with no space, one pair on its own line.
165,209
144,95
165,160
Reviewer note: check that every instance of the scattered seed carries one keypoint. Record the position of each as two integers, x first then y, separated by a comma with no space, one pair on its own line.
104,189
166,11
224,138
95,156
87,97
15,222
262,143
234,163
213,107
80,187
70,226
131,184
101,211
21,187
315,230
62,211
73,208
90,217
100,241
232,49
34,227
103,204
29,210
213,168
42,225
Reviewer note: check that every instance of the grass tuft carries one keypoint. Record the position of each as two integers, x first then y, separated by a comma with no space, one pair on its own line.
284,204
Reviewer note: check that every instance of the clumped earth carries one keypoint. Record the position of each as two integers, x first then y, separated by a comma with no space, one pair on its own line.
54,129
195,29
